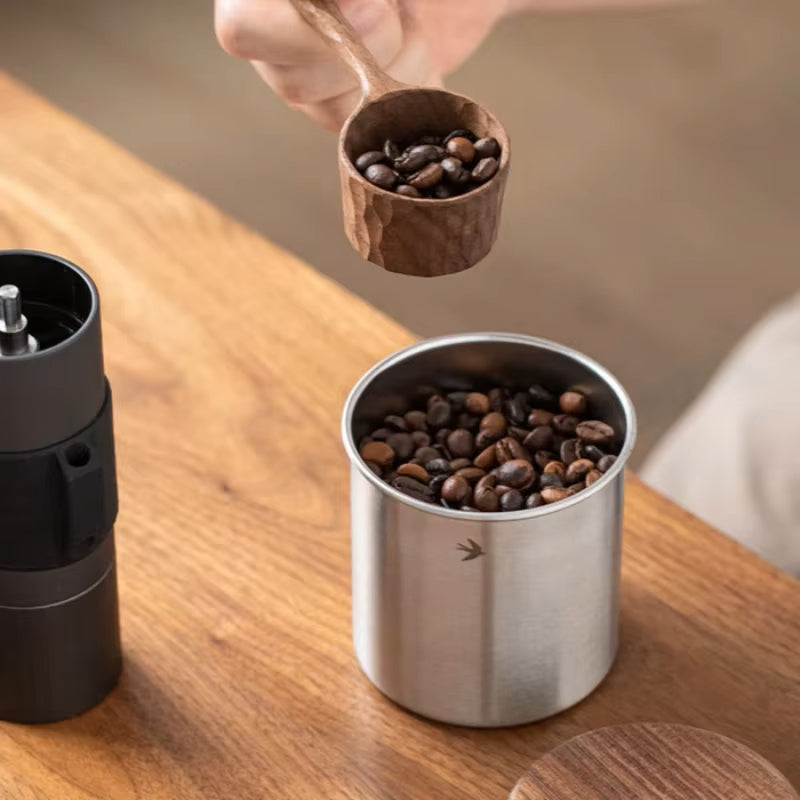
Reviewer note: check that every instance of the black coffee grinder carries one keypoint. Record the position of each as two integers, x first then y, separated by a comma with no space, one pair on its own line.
59,628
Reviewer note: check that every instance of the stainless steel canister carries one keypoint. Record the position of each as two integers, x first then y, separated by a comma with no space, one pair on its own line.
485,619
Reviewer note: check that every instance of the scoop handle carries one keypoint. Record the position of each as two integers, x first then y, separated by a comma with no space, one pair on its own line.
326,18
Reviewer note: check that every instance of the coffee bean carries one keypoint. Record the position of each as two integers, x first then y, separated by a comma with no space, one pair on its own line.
436,482
494,420
512,500
487,436
592,452
461,443
550,480
572,403
460,463
516,473
501,489
427,177
439,413
380,175
375,468
468,421
486,500
541,397
605,463
477,403
592,476
420,439
412,161
569,451
364,440
419,473
464,134
576,487
543,457
487,147
594,431
454,171
488,481
485,169
379,452
438,466
471,474
402,444
534,501
368,159
487,458
555,468
455,490
578,470
565,423
408,191
462,149
413,488
391,150
441,439
456,400
416,421
381,434
540,438
516,411
496,399
552,494
426,454
518,433
508,449
539,417
395,422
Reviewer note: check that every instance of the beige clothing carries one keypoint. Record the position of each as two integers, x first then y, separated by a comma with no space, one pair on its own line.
734,458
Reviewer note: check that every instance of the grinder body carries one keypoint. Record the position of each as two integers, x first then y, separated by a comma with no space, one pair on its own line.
60,648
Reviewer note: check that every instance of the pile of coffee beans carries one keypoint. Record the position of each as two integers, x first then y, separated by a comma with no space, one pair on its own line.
432,166
499,450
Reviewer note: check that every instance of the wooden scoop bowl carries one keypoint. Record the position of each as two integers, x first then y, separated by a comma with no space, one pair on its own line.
413,236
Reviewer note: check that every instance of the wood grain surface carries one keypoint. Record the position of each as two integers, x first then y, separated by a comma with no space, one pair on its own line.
652,761
230,361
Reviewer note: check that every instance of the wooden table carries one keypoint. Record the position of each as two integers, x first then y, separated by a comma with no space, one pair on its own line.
230,361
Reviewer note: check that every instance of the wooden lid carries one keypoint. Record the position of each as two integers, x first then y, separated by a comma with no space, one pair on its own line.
652,762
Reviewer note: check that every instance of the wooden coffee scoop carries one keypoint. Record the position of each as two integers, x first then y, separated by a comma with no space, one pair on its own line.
414,236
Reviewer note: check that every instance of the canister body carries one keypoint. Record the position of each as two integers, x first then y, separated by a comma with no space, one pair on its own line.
485,619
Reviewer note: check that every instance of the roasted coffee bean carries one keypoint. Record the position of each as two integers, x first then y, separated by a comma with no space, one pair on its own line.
551,479
395,422
496,399
605,463
534,501
391,150
494,420
471,474
437,481
415,158
488,147
375,468
416,421
576,487
552,494
426,454
487,458
488,481
508,449
439,413
456,400
427,177
512,500
455,490
578,470
368,159
477,403
454,171
381,175
569,451
565,423
592,476
459,463
419,473
468,421
381,434
464,134
486,500
420,439
539,417
592,452
402,444
379,452
501,489
484,170
515,409
408,191
413,488
461,148
438,466
461,443
555,468
541,397
572,403
540,438
487,436
543,457
594,431
441,438
517,473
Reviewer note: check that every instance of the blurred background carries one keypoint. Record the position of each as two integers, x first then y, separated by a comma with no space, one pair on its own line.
652,212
